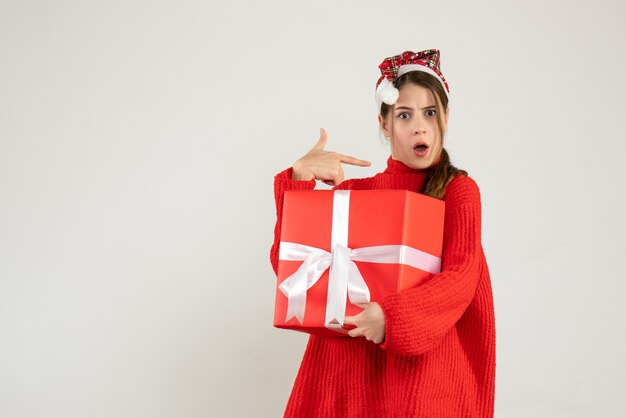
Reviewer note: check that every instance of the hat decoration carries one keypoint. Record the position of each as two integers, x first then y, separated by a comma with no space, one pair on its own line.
393,67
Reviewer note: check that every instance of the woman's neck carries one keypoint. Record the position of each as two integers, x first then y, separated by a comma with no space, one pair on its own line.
398,167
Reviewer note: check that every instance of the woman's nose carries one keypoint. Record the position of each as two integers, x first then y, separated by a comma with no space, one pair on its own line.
418,129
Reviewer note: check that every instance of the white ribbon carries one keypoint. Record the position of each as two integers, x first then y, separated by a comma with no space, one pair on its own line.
344,277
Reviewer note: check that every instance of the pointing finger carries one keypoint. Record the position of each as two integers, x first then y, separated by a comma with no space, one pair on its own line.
353,161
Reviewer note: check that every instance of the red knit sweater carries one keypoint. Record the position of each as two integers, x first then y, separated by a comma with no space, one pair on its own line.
438,356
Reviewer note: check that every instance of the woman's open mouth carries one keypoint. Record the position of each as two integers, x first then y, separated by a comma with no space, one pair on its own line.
421,149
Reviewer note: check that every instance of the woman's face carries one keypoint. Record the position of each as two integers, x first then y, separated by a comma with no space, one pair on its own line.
414,132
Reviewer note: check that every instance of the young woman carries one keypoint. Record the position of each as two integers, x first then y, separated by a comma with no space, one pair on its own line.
428,351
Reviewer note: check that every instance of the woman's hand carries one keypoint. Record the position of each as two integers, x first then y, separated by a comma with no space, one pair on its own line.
323,165
370,323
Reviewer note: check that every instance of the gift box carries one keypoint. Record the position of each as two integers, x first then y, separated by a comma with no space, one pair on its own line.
342,247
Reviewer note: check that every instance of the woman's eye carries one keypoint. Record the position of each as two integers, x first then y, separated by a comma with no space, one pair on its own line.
428,112
403,115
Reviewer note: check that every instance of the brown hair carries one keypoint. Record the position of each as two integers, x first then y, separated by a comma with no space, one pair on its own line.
440,174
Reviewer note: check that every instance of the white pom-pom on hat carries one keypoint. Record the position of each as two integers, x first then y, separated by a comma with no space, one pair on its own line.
387,93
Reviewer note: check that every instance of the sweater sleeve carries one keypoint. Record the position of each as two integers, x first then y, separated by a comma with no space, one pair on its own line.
283,182
417,319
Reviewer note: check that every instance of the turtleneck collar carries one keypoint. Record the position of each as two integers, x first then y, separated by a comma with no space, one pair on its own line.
398,167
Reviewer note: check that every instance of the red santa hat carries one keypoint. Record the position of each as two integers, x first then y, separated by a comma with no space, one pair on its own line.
393,67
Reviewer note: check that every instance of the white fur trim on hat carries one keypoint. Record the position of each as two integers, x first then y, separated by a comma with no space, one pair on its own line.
403,69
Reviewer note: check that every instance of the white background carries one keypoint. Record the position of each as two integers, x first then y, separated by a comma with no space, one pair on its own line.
138,144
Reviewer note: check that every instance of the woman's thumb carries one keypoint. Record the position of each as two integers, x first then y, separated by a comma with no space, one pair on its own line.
321,143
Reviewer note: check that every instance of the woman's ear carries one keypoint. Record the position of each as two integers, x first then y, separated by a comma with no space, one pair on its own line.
383,125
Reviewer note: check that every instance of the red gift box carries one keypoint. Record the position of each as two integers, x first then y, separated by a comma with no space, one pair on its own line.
343,247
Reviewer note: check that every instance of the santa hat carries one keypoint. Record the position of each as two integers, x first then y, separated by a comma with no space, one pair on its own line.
393,67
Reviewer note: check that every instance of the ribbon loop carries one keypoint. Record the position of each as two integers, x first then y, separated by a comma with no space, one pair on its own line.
294,287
